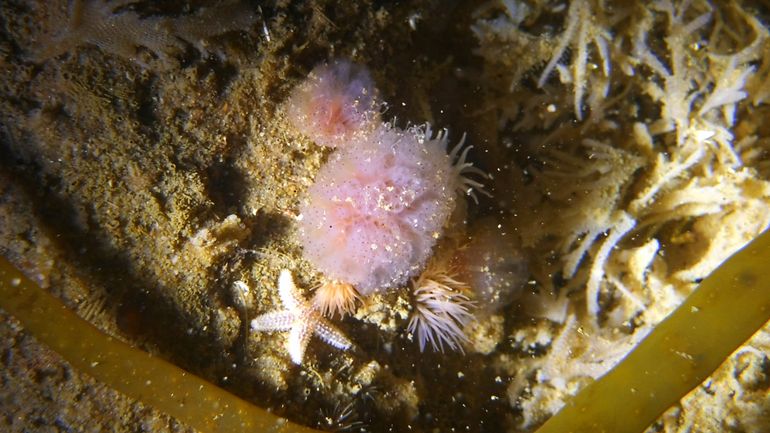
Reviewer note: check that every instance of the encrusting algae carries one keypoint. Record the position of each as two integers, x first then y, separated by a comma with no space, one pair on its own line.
155,180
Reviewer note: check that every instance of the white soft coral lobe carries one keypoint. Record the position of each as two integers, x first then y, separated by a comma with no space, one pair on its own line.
335,104
377,208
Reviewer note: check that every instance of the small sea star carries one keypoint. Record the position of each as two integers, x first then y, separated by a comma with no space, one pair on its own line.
300,319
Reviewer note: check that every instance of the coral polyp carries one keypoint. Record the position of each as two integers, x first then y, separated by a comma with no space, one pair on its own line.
442,308
377,208
335,297
465,184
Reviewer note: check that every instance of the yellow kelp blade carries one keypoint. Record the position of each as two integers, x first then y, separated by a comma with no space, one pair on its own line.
720,315
135,373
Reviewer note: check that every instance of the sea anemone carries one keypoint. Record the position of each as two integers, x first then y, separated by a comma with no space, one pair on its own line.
441,308
377,208
335,297
335,103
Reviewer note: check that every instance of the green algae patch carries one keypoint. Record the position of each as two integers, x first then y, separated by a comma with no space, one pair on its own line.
131,371
726,309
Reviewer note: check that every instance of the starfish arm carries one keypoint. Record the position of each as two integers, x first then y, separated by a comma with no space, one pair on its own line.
289,293
333,336
299,337
274,321
300,319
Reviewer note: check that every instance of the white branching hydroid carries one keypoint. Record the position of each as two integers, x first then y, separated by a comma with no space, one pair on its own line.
665,178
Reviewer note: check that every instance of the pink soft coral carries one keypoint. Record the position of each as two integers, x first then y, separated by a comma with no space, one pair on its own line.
335,104
377,208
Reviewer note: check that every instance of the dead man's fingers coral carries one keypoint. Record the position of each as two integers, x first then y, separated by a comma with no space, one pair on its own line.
377,208
335,103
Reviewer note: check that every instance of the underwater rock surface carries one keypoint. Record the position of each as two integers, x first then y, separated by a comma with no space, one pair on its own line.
151,179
